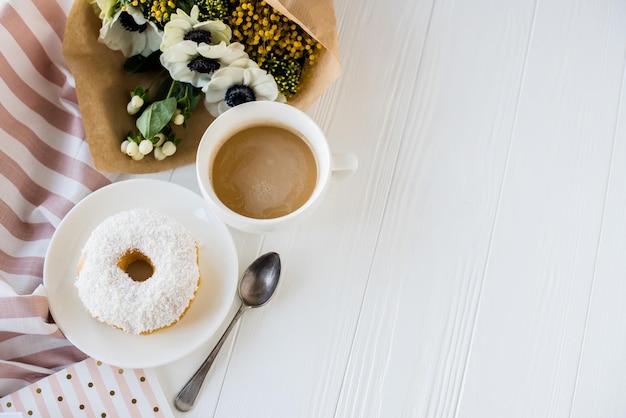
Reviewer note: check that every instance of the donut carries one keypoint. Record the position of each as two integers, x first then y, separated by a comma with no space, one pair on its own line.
112,294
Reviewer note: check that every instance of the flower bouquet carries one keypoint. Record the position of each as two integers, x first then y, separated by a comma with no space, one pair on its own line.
151,75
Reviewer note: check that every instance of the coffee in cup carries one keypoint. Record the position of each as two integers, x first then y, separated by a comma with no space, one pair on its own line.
263,165
264,171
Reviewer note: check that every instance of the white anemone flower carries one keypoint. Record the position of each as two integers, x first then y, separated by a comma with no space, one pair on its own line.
190,63
129,31
187,27
232,86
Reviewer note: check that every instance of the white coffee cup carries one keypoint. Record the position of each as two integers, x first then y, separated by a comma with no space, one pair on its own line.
329,165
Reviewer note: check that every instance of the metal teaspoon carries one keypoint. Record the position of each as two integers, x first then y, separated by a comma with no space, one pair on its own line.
256,287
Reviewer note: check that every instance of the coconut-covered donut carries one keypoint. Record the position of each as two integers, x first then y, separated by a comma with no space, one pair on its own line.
111,294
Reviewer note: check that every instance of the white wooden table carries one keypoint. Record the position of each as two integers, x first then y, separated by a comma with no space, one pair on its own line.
475,265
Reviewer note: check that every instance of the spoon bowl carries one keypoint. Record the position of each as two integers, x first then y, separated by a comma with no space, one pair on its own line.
259,281
256,287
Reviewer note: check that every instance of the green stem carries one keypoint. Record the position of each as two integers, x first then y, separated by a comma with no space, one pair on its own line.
169,93
185,97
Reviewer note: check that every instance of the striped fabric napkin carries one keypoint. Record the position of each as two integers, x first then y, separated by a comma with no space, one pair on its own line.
91,389
45,169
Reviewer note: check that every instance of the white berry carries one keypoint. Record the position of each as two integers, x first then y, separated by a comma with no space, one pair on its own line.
158,154
124,145
132,149
137,156
169,148
178,119
145,147
161,140
136,102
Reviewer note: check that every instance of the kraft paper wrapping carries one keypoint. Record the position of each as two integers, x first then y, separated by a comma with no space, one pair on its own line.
103,88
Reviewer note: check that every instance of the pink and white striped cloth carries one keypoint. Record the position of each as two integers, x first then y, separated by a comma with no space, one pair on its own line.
45,169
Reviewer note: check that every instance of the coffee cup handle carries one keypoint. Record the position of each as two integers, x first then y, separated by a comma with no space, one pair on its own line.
343,165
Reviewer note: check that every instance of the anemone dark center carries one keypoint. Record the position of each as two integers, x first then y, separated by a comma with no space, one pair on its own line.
198,36
128,23
202,64
238,94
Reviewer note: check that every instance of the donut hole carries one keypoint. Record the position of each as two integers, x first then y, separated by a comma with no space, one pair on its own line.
137,265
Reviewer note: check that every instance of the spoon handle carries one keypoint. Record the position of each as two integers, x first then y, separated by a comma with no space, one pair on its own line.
187,396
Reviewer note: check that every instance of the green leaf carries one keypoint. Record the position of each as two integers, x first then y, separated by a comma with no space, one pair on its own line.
139,63
156,117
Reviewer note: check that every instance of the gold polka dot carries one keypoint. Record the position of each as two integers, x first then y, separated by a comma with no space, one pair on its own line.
68,377
120,371
156,409
99,363
103,414
9,404
60,398
81,406
134,401
30,412
112,393
38,390
143,379
90,384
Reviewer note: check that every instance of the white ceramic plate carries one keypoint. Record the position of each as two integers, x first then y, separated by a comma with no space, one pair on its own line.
218,268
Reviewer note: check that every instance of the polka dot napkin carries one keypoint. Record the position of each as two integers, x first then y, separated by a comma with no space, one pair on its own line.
91,389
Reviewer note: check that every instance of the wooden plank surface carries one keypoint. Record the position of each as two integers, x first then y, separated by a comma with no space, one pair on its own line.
474,265
531,323
417,320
